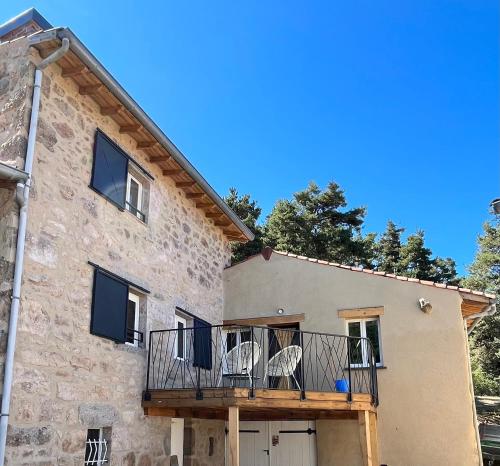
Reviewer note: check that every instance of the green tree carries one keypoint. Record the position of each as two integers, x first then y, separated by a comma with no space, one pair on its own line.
316,223
389,249
416,261
249,212
484,274
444,271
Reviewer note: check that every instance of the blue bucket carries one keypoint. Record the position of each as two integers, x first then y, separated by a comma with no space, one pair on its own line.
342,385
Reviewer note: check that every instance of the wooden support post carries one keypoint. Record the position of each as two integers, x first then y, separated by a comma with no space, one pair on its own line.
234,436
364,438
374,439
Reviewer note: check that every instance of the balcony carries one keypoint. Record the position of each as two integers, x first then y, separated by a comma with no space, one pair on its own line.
267,373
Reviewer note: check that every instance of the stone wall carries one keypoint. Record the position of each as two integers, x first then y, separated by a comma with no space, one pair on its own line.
16,78
67,380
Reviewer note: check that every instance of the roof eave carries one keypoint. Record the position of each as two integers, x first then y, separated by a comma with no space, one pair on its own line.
89,60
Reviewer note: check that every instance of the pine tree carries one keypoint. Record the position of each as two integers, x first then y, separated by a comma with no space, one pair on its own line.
484,274
416,261
389,249
316,223
249,212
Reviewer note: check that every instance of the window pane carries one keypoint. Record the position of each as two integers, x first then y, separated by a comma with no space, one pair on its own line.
354,330
246,335
131,310
372,335
134,194
91,445
180,339
230,341
109,174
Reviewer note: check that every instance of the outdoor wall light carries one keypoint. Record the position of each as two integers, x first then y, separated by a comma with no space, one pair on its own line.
280,311
425,305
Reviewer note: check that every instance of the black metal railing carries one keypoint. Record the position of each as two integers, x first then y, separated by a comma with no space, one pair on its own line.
260,357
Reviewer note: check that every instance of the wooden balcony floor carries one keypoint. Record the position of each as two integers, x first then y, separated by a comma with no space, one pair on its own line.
266,405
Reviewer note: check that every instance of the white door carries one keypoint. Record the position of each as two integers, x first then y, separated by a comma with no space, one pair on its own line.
254,443
293,443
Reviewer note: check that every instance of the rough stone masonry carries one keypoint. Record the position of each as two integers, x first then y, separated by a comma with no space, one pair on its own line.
67,380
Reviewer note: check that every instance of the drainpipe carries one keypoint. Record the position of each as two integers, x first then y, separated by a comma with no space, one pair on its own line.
22,198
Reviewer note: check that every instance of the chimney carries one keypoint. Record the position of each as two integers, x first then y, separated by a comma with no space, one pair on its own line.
24,24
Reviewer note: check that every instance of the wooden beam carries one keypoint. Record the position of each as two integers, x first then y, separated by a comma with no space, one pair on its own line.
130,128
374,438
214,215
203,205
359,313
270,320
364,438
74,71
194,195
176,171
229,232
160,158
90,90
185,184
234,436
222,224
111,110
146,144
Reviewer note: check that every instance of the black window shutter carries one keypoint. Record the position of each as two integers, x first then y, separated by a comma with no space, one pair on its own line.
202,344
109,307
109,171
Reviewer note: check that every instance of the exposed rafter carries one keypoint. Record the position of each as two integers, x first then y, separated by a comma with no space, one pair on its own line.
185,184
159,158
90,89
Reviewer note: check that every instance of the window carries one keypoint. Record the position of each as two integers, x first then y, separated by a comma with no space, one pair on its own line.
180,339
134,200
118,178
115,311
96,448
133,320
364,328
236,337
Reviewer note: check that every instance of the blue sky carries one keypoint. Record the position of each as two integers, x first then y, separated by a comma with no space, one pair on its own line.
397,101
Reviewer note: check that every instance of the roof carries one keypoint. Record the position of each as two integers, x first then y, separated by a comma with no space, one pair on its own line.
474,302
488,409
23,18
80,65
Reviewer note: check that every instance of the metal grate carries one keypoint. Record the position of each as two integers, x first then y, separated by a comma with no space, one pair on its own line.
96,452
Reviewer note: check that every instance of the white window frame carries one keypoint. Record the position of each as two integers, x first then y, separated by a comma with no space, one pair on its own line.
100,461
131,177
134,298
362,326
224,348
180,319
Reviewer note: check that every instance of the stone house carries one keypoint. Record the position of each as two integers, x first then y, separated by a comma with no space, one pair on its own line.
114,210
127,338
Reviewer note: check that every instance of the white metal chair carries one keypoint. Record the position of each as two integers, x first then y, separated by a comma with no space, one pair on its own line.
284,363
238,361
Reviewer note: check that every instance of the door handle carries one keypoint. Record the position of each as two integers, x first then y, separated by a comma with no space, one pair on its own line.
267,451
